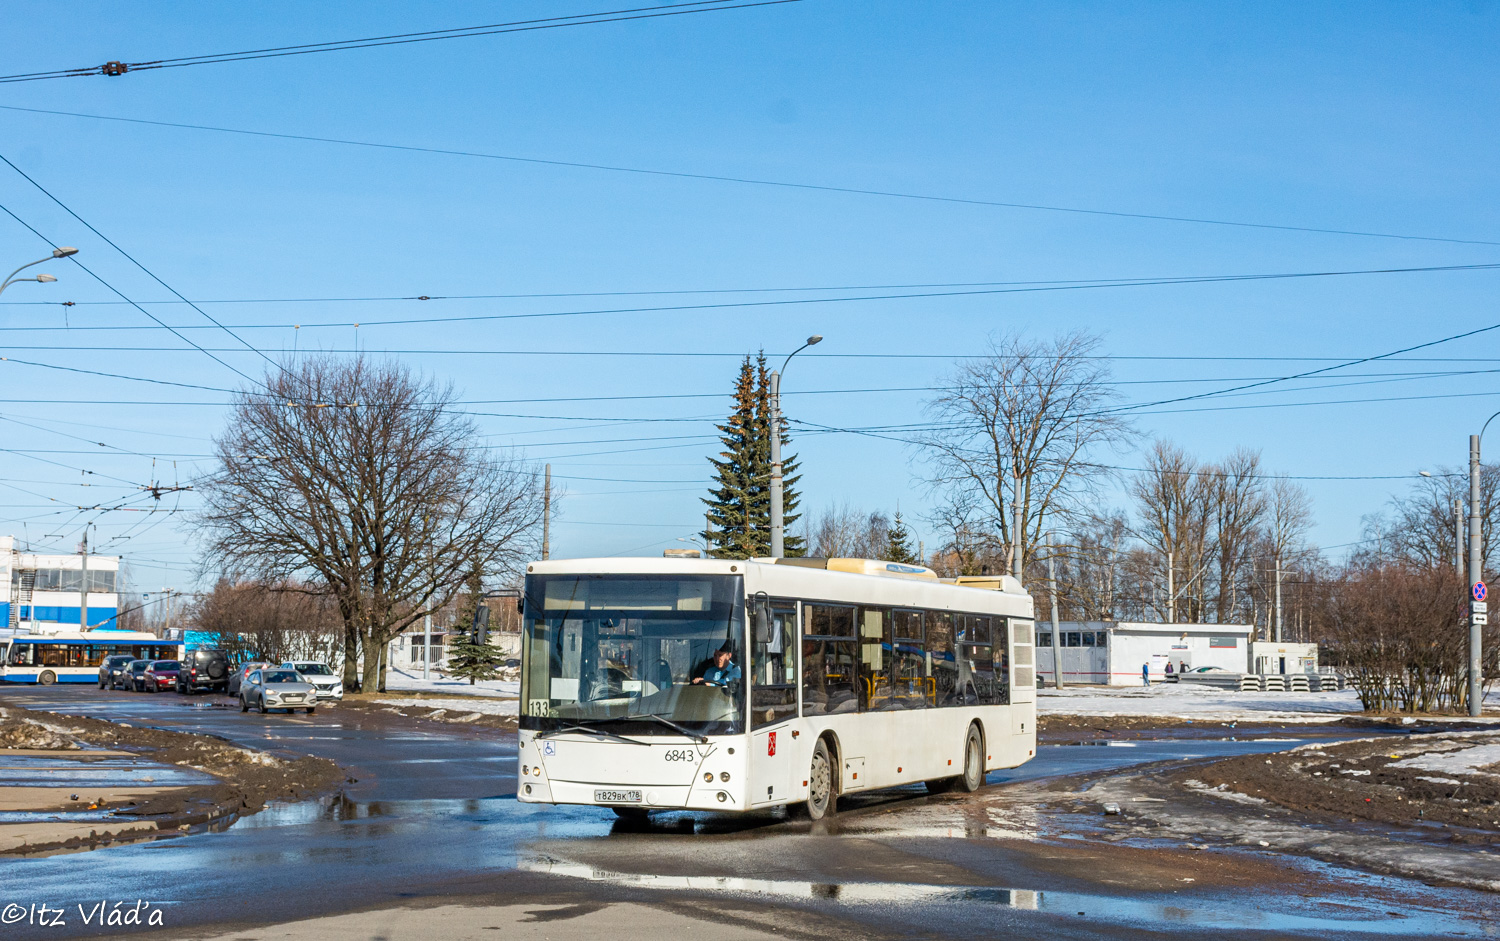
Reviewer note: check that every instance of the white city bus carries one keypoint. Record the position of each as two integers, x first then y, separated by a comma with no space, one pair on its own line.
853,675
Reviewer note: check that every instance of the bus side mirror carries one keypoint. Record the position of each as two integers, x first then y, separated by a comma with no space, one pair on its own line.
760,620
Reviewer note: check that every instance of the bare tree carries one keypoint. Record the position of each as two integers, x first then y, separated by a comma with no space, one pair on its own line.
1092,580
365,480
1017,430
844,532
1174,502
1237,502
1417,527
968,546
1288,518
273,622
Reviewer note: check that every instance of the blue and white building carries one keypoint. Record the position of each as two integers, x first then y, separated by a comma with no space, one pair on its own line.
40,592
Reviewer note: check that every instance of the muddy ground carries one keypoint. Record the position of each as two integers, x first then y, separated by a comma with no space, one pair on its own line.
1371,780
247,780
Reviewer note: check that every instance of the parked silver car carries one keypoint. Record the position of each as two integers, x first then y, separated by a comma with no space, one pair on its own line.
330,687
270,688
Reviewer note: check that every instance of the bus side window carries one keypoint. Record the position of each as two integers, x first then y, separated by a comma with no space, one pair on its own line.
910,681
829,662
773,669
1001,648
942,667
978,687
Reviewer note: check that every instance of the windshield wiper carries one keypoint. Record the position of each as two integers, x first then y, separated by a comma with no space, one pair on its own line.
591,731
695,736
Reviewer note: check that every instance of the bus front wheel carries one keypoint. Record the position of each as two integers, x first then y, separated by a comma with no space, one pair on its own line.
47,678
822,796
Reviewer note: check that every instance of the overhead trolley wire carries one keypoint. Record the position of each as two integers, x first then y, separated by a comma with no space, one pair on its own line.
842,299
757,181
397,39
1069,283
150,274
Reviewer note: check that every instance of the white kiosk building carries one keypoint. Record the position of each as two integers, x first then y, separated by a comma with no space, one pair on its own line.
1118,652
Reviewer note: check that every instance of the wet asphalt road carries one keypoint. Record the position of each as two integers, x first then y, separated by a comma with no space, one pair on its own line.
432,815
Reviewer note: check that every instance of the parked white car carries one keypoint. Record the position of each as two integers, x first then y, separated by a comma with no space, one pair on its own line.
327,683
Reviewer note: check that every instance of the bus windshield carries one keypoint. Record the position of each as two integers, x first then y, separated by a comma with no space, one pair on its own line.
634,654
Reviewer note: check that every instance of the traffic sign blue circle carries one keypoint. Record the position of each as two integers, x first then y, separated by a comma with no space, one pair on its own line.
1479,591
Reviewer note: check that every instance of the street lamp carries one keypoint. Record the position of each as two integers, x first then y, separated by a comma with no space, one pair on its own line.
63,252
1476,575
778,541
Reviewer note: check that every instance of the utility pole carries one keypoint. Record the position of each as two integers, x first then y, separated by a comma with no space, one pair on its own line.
1476,575
547,515
1057,647
778,535
1278,598
1171,592
83,585
1458,537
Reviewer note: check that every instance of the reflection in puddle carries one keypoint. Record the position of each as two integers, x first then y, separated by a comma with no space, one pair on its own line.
1216,913
849,892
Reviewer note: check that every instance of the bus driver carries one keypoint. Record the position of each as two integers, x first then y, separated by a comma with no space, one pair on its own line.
718,670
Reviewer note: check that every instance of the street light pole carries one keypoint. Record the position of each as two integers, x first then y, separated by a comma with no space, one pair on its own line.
63,252
778,540
1476,575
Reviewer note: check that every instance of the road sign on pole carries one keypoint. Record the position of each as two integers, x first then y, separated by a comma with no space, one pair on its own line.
1478,591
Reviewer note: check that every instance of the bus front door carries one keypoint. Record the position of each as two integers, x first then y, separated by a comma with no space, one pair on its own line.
771,755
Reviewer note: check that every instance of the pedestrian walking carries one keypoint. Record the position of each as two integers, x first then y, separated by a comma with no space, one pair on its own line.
1146,673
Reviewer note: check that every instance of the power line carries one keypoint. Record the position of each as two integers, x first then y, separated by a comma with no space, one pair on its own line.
1304,375
752,181
148,271
464,32
1051,282
112,288
843,299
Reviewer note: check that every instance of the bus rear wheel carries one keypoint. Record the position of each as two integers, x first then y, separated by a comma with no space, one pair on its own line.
973,777
822,796
47,678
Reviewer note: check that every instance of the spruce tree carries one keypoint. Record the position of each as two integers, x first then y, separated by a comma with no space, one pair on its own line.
731,511
739,503
898,546
467,657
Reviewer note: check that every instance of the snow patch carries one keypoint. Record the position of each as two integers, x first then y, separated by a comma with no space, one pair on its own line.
1471,760
400,681
1196,701
503,707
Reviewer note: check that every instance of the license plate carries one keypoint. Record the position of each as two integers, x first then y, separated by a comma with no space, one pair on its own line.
618,797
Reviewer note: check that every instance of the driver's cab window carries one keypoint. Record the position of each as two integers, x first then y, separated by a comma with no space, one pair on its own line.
773,667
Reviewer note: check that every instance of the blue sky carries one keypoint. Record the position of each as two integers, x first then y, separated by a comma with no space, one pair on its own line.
1375,118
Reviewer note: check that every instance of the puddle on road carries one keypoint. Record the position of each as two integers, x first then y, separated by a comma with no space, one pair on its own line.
1216,914
86,770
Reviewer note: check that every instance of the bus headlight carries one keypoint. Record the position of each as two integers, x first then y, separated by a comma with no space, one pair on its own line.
724,776
525,769
723,797
708,777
